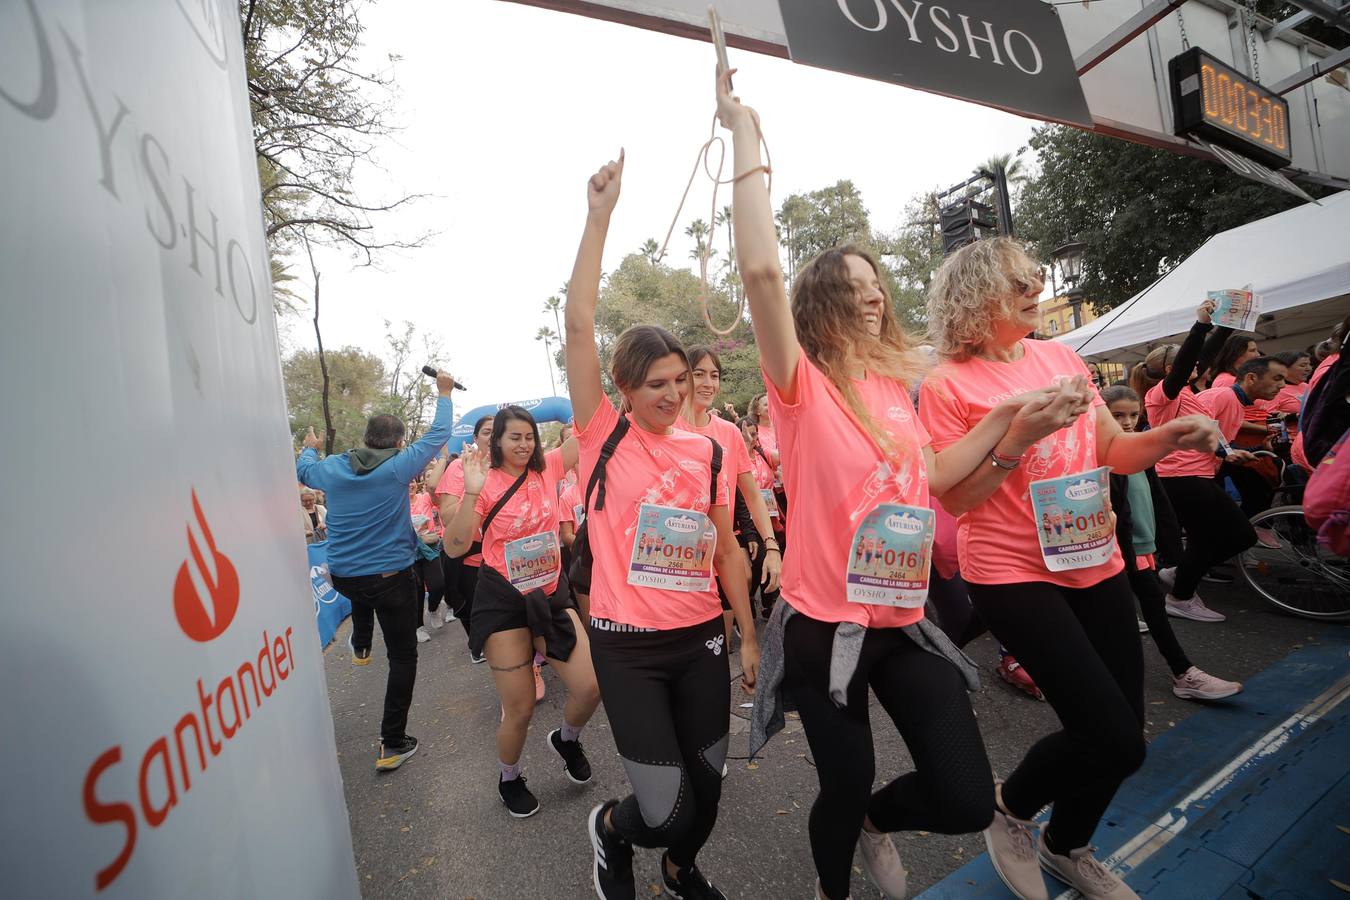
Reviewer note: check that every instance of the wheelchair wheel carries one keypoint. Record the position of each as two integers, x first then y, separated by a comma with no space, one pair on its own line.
1301,576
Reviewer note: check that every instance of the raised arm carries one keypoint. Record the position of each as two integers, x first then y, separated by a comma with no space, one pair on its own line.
461,526
410,463
757,245
1184,364
583,291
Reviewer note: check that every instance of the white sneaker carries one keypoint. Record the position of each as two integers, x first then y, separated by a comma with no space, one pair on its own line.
1143,627
1168,577
1193,609
434,620
1080,869
881,862
1193,684
449,615
1267,538
422,635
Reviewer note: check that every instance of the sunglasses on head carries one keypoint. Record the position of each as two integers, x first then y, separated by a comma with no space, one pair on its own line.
1023,286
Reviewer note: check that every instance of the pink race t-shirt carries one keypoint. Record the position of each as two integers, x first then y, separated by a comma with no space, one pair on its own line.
532,509
422,505
570,504
768,439
1179,463
1289,401
997,541
1296,451
735,458
666,470
452,483
835,475
1225,408
1223,380
762,469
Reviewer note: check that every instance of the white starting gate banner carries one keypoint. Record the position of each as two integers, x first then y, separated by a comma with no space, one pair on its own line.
166,724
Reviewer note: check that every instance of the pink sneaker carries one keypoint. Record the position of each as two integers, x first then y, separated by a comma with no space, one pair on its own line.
1267,538
1193,609
1193,684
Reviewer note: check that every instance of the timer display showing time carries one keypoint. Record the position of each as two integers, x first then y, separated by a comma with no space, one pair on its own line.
1216,102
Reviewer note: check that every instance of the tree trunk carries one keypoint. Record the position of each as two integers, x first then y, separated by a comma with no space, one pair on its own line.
330,433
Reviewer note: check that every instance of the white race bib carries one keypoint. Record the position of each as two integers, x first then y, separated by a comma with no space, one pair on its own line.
672,549
889,556
770,501
533,562
1073,520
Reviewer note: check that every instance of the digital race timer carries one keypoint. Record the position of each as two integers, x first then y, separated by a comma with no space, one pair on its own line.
1216,102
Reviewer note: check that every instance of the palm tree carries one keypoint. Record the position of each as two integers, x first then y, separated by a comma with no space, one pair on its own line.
554,304
1008,163
547,335
651,250
698,230
724,220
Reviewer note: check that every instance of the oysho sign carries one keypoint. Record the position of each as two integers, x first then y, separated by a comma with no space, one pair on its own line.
170,728
1009,54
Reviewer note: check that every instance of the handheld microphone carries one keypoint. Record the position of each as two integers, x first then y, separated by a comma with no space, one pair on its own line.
431,372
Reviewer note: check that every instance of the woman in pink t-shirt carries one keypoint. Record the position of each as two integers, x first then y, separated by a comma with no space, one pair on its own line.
1064,610
523,603
764,555
461,571
660,653
857,468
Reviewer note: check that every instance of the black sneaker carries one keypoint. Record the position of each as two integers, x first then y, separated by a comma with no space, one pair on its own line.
575,764
689,884
517,797
613,858
394,755
476,658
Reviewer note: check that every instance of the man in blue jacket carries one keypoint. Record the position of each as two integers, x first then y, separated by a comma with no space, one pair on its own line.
372,546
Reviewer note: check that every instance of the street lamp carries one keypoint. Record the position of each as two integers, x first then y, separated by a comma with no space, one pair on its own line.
1069,258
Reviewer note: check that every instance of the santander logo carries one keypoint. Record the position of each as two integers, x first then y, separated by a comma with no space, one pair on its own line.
205,618
202,715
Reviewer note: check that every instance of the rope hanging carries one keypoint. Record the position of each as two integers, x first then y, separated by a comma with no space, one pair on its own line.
717,180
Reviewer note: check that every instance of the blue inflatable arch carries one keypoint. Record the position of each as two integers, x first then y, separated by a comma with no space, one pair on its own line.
544,409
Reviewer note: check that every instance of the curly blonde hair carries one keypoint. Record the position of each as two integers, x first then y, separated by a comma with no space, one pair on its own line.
975,287
832,333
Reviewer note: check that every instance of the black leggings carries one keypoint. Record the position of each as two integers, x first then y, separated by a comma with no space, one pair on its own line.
667,696
951,790
460,583
431,576
1149,592
1216,529
1082,648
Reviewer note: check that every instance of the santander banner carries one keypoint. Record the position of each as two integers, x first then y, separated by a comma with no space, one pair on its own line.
166,723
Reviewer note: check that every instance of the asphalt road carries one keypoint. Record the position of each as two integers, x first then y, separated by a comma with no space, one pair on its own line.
436,828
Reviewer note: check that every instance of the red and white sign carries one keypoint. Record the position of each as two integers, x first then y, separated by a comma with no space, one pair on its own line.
168,732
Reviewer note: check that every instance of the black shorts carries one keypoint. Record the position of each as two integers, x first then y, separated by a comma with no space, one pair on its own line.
496,609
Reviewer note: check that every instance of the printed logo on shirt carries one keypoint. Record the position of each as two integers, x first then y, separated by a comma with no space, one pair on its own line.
715,645
898,414
692,465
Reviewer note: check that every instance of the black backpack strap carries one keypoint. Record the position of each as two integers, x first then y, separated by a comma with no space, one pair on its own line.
510,492
598,475
716,470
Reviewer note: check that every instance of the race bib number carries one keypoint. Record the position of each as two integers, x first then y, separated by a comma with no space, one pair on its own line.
1073,520
533,562
888,559
770,501
673,549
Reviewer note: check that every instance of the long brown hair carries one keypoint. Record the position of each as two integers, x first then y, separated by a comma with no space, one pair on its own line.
825,309
1153,369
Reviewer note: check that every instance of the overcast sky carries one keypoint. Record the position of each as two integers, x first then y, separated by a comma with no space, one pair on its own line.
508,109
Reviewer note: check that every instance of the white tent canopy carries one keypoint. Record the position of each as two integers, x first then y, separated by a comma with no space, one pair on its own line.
1298,261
